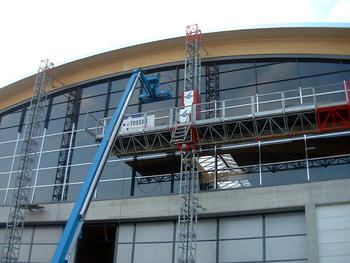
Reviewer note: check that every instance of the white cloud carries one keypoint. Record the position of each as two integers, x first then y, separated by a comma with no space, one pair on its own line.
340,12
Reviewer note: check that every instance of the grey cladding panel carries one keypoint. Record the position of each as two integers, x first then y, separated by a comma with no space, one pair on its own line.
286,248
206,252
124,253
241,250
153,253
126,232
154,231
47,234
241,227
285,224
206,229
42,253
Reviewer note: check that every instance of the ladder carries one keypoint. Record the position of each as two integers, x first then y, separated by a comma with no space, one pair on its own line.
21,192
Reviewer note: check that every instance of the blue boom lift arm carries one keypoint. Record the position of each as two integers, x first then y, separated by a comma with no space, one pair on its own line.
76,220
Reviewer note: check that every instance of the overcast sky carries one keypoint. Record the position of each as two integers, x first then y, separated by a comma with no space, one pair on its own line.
65,30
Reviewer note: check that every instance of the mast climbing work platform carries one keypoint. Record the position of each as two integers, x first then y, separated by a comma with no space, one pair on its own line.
259,117
187,144
20,199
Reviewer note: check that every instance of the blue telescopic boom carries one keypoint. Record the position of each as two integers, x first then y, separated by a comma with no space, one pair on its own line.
77,217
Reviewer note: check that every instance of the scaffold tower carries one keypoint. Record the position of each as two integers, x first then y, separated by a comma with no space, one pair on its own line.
20,199
186,142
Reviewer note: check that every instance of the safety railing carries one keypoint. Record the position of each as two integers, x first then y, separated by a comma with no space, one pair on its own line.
239,108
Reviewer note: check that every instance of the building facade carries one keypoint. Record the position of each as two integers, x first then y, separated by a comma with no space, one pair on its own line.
267,196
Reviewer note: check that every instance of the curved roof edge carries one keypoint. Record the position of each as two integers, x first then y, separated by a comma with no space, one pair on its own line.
219,43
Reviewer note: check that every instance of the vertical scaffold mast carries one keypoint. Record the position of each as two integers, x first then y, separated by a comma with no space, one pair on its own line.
187,220
21,192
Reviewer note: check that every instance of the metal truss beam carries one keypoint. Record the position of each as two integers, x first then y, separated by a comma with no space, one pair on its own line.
271,167
290,124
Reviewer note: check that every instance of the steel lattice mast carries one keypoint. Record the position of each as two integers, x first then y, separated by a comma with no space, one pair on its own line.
20,199
65,156
187,220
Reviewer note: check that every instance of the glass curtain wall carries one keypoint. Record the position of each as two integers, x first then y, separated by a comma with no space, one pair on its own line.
313,159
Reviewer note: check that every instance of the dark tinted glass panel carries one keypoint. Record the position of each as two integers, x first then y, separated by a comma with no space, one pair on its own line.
235,65
346,64
52,142
272,177
278,86
114,170
113,189
84,155
346,75
168,81
119,85
315,68
78,173
11,119
152,189
321,80
159,105
49,159
46,177
60,98
115,99
237,93
58,110
95,90
8,134
83,138
330,172
275,72
131,109
290,166
43,194
94,119
5,164
93,104
7,149
237,78
55,126
73,192
4,180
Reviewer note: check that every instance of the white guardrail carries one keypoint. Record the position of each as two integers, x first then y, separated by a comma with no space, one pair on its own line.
231,109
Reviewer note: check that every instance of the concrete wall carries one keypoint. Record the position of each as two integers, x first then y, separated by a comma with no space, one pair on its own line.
224,202
315,198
